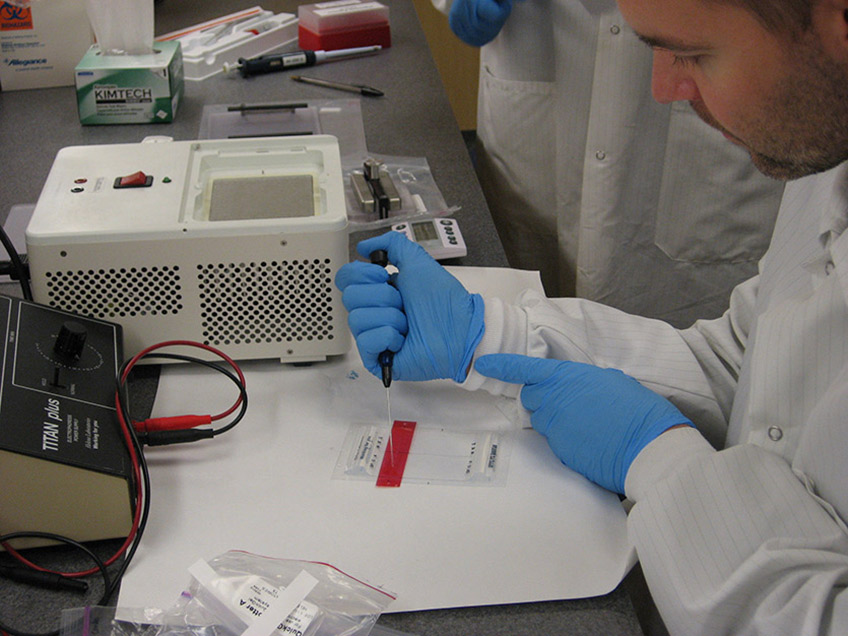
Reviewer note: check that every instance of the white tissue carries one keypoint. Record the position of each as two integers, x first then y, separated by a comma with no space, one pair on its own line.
122,27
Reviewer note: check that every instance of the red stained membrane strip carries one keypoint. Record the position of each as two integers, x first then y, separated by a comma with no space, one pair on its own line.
397,451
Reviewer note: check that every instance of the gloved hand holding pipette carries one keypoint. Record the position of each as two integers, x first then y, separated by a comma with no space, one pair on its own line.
595,420
425,315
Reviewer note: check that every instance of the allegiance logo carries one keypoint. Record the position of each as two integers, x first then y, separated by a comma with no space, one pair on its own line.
14,61
14,18
120,95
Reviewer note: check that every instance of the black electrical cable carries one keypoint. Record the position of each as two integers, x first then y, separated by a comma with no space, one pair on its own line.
217,367
22,271
107,582
145,480
7,268
142,490
123,404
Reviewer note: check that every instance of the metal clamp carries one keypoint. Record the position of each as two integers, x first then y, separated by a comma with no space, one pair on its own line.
374,189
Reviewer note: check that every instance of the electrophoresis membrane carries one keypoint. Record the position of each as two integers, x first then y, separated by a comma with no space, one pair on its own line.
411,453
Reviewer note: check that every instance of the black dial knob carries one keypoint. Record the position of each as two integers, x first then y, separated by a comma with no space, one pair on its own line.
70,340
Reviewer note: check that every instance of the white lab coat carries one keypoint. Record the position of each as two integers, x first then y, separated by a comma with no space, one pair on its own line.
751,539
608,194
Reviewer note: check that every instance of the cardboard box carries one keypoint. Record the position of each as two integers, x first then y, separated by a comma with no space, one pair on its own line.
40,43
130,89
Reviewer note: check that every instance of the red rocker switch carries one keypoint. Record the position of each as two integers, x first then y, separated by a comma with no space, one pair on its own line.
134,180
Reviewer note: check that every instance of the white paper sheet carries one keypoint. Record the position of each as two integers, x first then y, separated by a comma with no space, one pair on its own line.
267,487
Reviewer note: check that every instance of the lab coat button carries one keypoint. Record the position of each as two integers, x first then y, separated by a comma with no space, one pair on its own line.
615,29
828,267
775,433
600,155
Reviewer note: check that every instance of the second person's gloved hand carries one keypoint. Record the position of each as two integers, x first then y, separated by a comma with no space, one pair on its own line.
477,22
423,313
596,420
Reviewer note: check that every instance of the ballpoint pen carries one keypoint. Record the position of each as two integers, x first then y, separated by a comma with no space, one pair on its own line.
368,91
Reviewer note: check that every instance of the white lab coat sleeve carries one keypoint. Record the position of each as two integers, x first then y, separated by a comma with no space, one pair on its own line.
732,542
697,369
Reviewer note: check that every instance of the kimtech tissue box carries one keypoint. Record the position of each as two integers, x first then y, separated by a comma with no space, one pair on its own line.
130,89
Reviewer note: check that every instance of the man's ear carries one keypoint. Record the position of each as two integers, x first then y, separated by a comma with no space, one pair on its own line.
830,21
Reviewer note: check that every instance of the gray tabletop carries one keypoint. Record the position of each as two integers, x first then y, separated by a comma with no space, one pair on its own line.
413,120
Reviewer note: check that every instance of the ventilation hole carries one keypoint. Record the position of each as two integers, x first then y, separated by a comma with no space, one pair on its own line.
254,303
116,293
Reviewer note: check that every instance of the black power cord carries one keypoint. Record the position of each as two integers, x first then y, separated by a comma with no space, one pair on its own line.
19,270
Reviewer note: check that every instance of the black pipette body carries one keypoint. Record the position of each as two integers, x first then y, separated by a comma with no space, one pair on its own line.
381,258
278,62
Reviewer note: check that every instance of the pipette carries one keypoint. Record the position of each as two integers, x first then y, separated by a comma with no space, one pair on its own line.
380,257
294,59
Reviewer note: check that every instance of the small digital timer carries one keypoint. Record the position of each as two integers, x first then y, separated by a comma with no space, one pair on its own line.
440,237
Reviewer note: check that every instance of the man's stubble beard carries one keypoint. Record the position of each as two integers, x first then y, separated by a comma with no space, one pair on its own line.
802,127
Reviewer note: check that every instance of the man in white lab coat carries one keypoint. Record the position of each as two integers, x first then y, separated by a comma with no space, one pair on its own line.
746,534
610,195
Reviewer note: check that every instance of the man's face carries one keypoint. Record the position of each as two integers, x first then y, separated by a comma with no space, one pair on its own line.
783,98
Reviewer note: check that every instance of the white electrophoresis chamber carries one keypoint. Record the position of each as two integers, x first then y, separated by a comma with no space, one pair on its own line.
233,243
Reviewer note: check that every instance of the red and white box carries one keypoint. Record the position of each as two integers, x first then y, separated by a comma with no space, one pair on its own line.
343,24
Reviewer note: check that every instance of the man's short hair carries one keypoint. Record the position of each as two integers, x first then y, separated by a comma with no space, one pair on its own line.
779,16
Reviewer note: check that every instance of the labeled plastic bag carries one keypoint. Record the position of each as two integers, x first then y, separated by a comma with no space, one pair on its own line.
242,593
238,590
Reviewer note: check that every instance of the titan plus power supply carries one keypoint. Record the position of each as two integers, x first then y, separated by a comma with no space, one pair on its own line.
233,243
64,467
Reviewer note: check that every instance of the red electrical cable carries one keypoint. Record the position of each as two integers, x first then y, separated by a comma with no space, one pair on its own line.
183,421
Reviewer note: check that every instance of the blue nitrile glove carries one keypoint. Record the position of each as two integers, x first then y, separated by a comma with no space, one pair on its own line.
422,313
596,420
477,22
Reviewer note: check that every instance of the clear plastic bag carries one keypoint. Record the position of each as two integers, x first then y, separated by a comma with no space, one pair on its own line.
238,588
103,621
419,195
438,455
242,593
